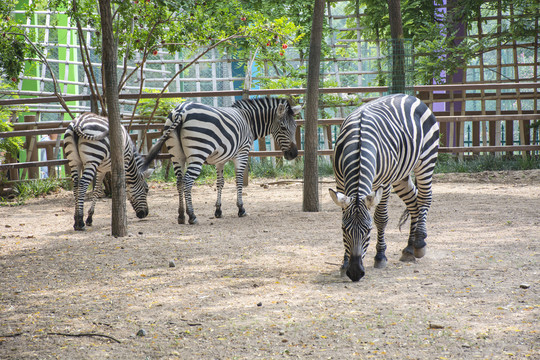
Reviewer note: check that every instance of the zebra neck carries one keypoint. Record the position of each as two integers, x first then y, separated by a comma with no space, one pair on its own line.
259,127
132,166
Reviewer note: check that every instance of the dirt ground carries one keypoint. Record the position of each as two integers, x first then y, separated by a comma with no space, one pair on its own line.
268,285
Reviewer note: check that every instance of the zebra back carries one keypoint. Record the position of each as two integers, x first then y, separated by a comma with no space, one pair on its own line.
382,141
259,114
90,126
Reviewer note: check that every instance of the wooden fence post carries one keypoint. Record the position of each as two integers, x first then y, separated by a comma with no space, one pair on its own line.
31,150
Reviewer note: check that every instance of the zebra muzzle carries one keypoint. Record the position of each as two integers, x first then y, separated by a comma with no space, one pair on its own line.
291,153
355,271
141,214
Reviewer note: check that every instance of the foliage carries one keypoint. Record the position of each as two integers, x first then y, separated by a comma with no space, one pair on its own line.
438,51
13,49
10,145
34,188
165,106
146,26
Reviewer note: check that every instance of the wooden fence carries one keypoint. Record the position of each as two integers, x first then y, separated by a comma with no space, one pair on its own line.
451,119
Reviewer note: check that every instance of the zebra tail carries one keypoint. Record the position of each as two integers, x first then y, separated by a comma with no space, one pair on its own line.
86,136
403,218
154,151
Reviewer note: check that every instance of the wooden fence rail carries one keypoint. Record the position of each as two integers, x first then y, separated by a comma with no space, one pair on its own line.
451,121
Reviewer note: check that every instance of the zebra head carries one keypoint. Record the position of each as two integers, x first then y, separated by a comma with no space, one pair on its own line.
356,226
137,188
284,129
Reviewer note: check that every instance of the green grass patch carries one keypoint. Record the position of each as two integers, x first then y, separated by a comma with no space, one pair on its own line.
30,189
448,163
258,168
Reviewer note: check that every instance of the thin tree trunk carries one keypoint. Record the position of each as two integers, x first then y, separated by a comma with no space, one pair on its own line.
398,48
109,62
311,172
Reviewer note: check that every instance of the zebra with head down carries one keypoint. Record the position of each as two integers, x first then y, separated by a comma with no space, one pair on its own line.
196,133
87,149
380,146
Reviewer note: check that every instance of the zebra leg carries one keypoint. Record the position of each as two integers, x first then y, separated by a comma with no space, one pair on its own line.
407,191
179,173
192,172
345,265
87,176
96,192
75,171
220,183
381,220
240,164
423,201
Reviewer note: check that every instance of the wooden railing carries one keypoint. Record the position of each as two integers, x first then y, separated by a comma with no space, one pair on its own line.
451,121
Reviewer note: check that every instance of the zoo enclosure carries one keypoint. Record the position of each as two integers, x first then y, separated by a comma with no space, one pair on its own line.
489,110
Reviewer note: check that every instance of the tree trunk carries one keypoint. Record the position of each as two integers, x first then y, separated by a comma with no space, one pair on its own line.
311,171
398,48
109,61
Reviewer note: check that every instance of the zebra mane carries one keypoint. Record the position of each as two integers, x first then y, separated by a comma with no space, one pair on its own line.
270,101
139,159
359,154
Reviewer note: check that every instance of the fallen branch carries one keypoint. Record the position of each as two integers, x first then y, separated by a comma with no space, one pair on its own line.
11,335
329,263
85,334
286,182
191,323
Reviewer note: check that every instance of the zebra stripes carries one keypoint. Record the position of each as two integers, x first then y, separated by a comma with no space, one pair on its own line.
379,146
195,134
87,149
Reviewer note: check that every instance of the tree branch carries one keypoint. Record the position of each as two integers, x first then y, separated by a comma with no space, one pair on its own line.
231,37
86,334
44,60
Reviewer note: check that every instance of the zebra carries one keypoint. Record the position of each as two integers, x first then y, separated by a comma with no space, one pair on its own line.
87,149
380,145
196,133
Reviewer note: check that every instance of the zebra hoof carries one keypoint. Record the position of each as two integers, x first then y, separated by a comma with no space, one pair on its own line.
407,255
78,228
193,221
418,253
242,212
218,214
380,263
89,222
181,220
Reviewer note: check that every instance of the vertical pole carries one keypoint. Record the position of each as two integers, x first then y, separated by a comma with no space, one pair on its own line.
31,149
398,48
109,62
311,172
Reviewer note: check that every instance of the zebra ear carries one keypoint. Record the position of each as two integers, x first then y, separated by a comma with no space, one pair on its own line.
281,110
373,198
340,199
296,109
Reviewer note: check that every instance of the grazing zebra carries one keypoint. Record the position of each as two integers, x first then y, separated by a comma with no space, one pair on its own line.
379,146
195,133
87,149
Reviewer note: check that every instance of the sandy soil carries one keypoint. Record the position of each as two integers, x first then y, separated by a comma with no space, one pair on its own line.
267,285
